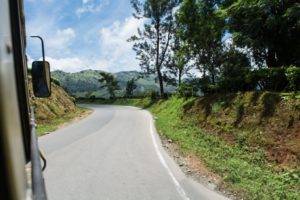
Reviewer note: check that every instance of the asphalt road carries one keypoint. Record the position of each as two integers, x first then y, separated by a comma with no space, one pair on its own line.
114,154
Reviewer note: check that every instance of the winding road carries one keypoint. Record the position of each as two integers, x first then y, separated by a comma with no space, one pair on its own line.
114,154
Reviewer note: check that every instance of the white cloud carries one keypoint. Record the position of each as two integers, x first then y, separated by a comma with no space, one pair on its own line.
90,6
114,45
57,40
62,39
73,64
82,45
58,43
85,1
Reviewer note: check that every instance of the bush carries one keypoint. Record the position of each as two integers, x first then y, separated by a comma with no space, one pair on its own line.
92,98
293,76
272,79
233,72
206,86
153,95
185,90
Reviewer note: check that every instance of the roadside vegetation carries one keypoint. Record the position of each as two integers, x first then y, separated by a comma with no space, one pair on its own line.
250,140
48,126
51,113
225,82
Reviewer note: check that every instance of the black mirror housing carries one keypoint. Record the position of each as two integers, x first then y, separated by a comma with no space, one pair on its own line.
41,79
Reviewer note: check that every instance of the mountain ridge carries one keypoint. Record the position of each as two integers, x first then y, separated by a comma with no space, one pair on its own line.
85,83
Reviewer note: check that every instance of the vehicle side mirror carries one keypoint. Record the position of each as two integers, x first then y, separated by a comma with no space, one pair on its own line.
41,79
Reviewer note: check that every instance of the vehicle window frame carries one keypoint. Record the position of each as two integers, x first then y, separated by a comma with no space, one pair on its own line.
20,61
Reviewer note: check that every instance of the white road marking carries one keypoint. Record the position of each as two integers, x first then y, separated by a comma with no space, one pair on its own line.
179,189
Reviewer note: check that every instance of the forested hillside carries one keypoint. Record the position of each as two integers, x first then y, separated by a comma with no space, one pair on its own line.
86,83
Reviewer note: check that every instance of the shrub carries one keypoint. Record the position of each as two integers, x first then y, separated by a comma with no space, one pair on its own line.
153,95
210,88
185,90
293,76
273,79
92,98
233,72
206,86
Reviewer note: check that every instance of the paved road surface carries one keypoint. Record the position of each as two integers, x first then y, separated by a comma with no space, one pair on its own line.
114,154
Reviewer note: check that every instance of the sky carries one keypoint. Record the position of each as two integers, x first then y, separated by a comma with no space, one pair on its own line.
82,34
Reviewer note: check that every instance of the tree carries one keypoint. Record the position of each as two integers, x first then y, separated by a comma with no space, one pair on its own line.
269,28
152,43
110,83
178,61
202,27
233,71
130,87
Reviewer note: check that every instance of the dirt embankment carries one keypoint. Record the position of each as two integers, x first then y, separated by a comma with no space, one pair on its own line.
57,105
254,119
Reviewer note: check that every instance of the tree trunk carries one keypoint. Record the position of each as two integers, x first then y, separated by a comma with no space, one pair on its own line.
159,75
213,81
179,77
271,59
212,75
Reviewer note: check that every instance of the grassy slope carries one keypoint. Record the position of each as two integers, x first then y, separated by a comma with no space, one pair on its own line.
244,166
54,111
53,124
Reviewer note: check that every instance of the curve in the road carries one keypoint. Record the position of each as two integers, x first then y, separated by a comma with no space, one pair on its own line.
115,154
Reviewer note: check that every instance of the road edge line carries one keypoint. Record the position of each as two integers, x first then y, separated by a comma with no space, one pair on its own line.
178,187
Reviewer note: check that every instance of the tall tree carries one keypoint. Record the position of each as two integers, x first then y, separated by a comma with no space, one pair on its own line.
110,83
178,61
270,28
153,41
130,87
202,28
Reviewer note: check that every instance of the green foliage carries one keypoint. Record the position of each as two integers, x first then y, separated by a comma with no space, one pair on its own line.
110,83
244,171
86,82
51,125
207,87
293,76
275,79
153,95
178,61
234,69
272,79
202,28
152,44
92,98
270,29
130,87
186,90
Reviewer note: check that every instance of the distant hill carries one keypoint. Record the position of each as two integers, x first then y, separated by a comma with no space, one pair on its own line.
85,83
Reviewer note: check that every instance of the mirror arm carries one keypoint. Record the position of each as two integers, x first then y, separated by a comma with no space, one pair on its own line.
42,42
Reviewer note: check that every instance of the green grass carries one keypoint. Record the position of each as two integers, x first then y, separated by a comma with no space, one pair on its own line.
54,124
245,171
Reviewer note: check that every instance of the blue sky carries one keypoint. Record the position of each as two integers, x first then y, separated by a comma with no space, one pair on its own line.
82,34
